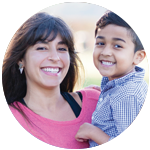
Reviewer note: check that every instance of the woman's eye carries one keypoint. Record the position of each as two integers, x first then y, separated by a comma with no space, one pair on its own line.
118,46
63,49
41,48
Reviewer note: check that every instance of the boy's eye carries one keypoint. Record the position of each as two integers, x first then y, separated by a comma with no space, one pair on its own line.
118,46
100,43
41,48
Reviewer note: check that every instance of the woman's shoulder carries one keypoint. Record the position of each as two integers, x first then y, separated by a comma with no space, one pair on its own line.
77,98
17,108
87,93
90,93
14,107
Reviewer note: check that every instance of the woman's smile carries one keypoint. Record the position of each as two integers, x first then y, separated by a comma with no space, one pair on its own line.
52,71
52,60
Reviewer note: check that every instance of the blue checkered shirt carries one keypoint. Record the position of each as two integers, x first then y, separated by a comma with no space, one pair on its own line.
119,103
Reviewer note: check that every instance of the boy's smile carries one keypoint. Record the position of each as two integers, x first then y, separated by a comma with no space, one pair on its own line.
114,52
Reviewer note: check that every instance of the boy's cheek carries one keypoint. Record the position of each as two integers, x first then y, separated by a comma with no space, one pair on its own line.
96,59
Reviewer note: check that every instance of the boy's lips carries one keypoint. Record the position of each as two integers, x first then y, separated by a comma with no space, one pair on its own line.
107,63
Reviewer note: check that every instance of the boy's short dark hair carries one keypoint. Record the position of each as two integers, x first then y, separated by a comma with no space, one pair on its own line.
112,18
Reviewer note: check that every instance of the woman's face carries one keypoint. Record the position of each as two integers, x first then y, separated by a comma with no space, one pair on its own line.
46,63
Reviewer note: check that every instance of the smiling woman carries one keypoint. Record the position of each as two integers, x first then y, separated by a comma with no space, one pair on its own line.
40,70
46,64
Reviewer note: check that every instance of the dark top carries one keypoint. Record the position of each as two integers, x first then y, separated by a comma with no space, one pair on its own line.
72,102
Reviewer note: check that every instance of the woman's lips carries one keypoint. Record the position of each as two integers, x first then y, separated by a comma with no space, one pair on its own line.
51,70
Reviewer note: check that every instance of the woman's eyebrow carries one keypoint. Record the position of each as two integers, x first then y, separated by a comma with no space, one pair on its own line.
62,43
44,42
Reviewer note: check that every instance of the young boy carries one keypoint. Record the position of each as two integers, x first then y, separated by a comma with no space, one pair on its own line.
123,90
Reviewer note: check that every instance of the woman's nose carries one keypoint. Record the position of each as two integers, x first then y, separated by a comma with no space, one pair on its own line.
53,55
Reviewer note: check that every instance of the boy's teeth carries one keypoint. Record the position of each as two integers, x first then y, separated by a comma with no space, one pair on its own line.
52,70
107,63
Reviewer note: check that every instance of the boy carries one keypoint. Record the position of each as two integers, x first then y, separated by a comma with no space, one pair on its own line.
117,52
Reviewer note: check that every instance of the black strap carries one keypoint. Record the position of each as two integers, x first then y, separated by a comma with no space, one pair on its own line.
23,102
72,102
80,95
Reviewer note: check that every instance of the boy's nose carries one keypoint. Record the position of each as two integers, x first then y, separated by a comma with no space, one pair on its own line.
106,51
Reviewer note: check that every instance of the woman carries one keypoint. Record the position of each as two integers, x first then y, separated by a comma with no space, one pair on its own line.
39,69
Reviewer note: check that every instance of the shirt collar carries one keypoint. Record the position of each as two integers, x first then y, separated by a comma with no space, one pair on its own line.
135,76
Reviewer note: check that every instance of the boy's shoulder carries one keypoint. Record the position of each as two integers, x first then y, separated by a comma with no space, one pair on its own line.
129,90
131,85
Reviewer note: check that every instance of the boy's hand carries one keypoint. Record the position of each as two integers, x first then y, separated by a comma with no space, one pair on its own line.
88,131
96,87
83,133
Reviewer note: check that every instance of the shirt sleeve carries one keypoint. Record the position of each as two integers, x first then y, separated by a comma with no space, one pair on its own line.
124,112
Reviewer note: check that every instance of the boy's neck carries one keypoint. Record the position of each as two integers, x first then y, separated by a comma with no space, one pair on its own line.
132,70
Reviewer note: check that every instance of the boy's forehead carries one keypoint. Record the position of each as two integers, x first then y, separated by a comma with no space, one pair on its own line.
112,30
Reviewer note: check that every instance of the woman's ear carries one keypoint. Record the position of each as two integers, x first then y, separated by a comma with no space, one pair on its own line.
21,66
139,56
21,62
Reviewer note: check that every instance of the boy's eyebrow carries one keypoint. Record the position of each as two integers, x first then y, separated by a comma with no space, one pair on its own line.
115,39
119,39
100,37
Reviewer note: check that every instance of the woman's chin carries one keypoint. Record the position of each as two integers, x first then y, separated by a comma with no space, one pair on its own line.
51,85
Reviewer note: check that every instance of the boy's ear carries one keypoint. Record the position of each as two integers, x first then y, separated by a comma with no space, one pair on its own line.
139,56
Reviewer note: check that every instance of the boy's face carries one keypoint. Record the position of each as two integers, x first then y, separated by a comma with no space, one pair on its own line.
114,52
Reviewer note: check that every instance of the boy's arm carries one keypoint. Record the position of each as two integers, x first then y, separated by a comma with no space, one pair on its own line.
125,111
88,131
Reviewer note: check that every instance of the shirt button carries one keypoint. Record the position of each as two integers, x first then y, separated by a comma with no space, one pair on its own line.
100,99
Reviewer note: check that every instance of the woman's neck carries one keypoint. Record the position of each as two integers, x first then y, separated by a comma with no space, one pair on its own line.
39,98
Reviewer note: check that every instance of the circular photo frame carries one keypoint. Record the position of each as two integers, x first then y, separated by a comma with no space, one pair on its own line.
81,18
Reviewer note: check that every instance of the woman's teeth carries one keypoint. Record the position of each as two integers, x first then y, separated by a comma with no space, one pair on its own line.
107,63
52,70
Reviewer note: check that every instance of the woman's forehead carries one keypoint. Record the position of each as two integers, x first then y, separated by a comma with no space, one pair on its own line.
51,38
48,36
